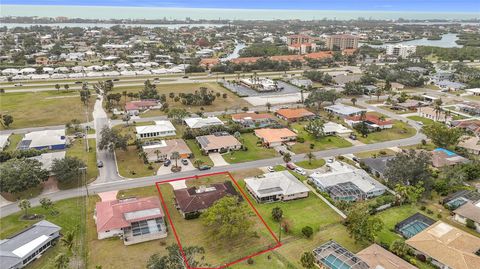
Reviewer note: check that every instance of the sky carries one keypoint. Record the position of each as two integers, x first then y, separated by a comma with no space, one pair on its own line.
374,5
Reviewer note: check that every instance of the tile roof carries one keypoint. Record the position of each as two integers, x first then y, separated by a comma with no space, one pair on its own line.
469,211
448,245
114,214
213,142
377,257
274,135
252,116
371,118
140,104
276,183
195,199
294,113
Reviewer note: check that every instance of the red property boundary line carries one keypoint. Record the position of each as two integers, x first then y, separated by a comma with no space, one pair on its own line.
279,244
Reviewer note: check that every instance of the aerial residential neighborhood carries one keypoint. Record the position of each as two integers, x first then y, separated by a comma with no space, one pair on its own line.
251,134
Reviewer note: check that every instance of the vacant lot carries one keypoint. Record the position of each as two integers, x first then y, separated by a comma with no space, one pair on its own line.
327,142
43,108
77,149
131,165
253,152
217,252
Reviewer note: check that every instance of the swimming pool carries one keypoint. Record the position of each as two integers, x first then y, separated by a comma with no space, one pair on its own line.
456,203
335,263
413,228
446,151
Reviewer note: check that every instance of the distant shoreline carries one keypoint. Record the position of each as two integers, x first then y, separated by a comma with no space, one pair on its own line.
131,13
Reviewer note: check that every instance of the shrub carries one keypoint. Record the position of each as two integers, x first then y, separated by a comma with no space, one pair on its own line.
300,140
382,152
312,145
423,208
439,215
250,261
429,211
307,231
470,224
341,158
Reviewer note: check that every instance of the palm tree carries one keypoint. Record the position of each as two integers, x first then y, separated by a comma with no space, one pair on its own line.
353,100
175,156
124,93
310,156
61,261
24,205
68,240
437,107
57,86
269,106
157,152
66,87
197,163
287,157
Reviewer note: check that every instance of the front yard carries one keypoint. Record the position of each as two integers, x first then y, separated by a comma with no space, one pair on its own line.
423,120
131,165
77,149
327,142
314,164
253,152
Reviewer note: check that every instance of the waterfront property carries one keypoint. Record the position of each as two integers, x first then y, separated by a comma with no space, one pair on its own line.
190,202
19,250
276,186
275,137
46,139
447,246
332,255
135,220
161,128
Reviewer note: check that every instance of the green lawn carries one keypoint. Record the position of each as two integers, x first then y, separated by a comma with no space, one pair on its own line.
43,108
316,163
197,153
77,149
217,252
253,153
69,218
398,131
327,142
423,120
130,165
375,153
14,140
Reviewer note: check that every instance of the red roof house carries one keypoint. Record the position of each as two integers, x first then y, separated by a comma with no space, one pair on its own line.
373,121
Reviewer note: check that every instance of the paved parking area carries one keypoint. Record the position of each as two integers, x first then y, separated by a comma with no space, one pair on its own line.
217,159
165,170
275,99
244,91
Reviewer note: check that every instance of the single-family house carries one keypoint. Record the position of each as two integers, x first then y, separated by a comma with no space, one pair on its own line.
252,119
459,198
378,257
471,144
447,85
276,186
373,121
134,108
275,137
161,128
474,91
4,141
397,86
442,157
302,83
347,183
192,201
471,108
162,150
198,123
408,105
135,220
377,165
470,125
46,139
46,159
344,110
332,255
447,246
20,249
333,128
294,114
431,113
218,142
468,212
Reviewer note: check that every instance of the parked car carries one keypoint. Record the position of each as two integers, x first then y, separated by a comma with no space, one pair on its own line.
300,171
355,159
18,84
419,122
184,161
270,169
330,160
185,77
116,79
204,167
78,82
353,136
99,164
291,166
79,135
167,162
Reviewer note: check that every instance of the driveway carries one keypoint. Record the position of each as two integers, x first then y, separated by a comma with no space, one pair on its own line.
165,170
178,185
217,159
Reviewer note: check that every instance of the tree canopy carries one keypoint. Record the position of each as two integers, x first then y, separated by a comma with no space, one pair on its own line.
175,260
21,174
409,168
441,135
67,169
361,225
111,139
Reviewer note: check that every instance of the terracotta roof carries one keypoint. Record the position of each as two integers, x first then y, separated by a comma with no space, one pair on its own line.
246,60
134,105
371,118
319,55
377,257
195,199
167,147
252,116
209,61
111,214
472,125
287,58
294,113
348,51
448,245
270,135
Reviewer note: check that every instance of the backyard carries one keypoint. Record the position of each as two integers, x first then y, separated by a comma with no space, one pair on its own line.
32,109
253,152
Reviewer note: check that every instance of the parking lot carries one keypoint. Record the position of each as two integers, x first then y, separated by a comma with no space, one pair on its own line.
245,91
